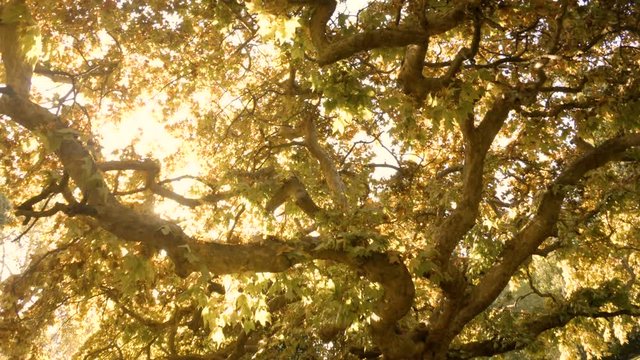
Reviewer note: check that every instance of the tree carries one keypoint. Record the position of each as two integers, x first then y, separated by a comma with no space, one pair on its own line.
409,179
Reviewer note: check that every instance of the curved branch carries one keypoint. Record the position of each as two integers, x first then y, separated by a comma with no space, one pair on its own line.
418,86
188,254
450,170
327,166
477,143
528,330
541,226
399,291
478,140
153,169
330,52
293,187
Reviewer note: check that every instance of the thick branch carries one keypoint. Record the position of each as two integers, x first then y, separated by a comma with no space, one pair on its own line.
327,166
131,225
541,226
395,303
144,165
293,187
330,52
528,329
101,68
418,86
452,229
189,254
477,144
555,110
478,140
17,67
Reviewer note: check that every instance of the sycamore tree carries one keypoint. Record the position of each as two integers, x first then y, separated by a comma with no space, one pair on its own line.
313,179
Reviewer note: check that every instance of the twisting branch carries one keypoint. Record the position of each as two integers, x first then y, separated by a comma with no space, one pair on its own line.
332,51
327,166
477,142
52,188
399,292
188,254
321,14
540,227
73,208
535,289
585,303
418,86
478,139
101,68
152,184
293,188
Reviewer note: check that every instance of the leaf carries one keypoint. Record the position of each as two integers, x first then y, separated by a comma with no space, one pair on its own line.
341,119
248,326
262,316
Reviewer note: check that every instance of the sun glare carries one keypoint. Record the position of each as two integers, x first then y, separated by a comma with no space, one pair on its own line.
144,129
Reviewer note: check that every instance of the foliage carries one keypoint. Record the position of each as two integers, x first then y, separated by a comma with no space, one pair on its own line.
318,179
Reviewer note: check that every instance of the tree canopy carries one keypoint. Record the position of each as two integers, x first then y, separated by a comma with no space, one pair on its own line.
319,179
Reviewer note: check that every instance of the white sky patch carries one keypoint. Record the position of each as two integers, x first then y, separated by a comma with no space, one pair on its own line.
13,254
188,168
173,20
144,129
234,102
502,140
382,156
352,6
203,98
281,28
44,85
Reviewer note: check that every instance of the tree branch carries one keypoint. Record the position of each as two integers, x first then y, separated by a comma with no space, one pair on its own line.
153,169
528,330
14,56
293,187
327,166
330,52
189,254
541,226
418,86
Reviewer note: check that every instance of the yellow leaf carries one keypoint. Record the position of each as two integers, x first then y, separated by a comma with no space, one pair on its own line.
262,316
